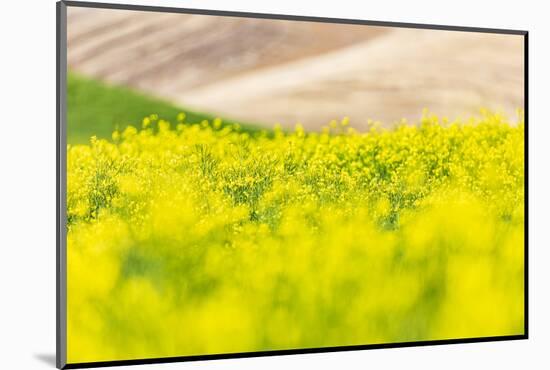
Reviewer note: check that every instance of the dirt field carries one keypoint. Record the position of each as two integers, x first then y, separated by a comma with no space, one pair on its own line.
281,71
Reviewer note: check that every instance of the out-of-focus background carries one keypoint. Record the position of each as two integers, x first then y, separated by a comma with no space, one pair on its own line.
127,64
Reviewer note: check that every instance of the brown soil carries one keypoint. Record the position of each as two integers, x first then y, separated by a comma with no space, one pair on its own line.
281,71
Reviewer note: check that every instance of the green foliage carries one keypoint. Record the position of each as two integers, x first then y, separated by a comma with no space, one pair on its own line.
97,109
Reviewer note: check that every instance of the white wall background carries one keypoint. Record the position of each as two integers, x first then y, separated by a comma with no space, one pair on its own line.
27,183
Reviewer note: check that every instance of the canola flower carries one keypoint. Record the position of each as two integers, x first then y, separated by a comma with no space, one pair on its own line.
202,239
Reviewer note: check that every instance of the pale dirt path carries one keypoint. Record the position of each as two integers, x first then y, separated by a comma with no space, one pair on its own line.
280,71
451,73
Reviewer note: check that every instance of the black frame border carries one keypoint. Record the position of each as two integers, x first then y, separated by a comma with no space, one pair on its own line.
61,188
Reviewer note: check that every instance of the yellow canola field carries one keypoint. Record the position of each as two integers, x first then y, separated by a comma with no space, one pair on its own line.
202,239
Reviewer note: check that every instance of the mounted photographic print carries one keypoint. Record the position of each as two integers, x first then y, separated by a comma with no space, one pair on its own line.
237,184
